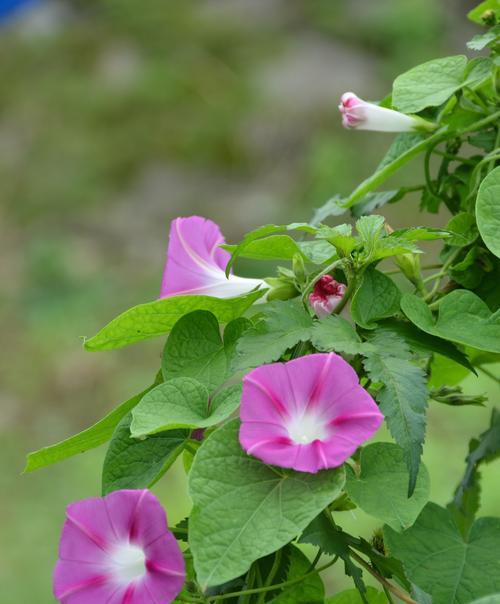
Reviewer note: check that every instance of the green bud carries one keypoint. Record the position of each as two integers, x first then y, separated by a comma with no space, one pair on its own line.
299,270
285,291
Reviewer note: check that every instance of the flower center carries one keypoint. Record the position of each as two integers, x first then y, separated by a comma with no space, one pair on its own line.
129,563
305,429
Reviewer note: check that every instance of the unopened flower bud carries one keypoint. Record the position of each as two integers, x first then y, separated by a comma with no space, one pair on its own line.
299,269
326,296
359,114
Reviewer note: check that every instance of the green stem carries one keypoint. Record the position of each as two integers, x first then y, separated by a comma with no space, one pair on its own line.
259,590
399,593
442,134
270,577
487,372
316,559
325,271
379,177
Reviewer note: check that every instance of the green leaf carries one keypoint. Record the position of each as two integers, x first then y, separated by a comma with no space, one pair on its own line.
332,207
488,211
403,401
421,342
493,599
445,372
381,489
476,14
195,349
309,591
419,234
370,229
90,438
332,540
376,298
351,596
232,334
438,559
274,247
267,508
137,464
484,449
283,325
340,237
463,318
335,333
402,144
261,232
317,251
158,317
463,228
182,402
480,41
429,84
374,200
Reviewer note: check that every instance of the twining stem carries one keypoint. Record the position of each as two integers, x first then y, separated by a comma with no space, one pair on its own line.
399,593
270,577
379,177
259,590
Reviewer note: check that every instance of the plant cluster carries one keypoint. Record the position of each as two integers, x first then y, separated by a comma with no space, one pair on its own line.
269,388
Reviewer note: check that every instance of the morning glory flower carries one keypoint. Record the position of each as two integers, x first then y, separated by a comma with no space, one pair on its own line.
196,264
308,414
118,550
359,114
326,295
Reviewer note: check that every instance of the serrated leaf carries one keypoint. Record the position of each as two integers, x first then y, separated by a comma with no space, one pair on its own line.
308,591
438,559
488,211
138,464
283,325
317,251
376,298
268,508
157,318
462,317
403,401
420,234
422,342
484,449
370,229
333,333
88,439
195,349
480,41
381,488
332,207
429,84
339,237
351,596
332,540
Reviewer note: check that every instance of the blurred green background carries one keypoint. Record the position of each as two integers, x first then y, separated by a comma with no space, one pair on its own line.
117,116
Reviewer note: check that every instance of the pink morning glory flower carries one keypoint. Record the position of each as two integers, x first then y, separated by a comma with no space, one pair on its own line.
196,264
118,550
359,114
326,295
308,414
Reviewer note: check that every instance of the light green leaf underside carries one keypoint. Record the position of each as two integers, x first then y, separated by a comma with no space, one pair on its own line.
158,317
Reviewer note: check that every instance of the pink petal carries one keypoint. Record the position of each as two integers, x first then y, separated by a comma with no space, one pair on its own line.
196,264
118,550
308,414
